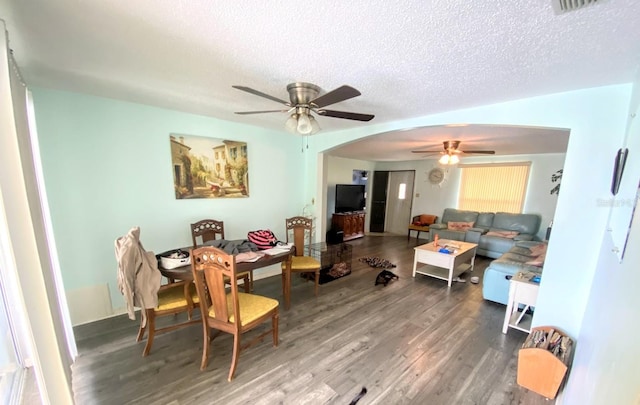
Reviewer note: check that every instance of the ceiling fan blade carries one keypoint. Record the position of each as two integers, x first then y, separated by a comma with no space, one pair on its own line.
261,94
346,115
258,112
426,151
335,96
479,152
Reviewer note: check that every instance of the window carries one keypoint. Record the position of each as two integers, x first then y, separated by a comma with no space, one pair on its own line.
493,187
402,191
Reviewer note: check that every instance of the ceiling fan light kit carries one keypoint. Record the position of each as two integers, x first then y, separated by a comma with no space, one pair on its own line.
450,153
449,159
302,123
303,100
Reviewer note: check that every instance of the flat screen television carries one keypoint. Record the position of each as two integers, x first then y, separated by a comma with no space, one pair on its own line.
349,197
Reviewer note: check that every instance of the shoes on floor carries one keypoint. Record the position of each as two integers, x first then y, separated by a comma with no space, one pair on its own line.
460,280
475,279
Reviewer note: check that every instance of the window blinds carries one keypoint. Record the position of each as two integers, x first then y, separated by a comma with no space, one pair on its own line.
494,187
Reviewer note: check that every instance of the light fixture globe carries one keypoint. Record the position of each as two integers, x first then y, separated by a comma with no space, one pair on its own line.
454,160
291,124
315,127
444,160
304,124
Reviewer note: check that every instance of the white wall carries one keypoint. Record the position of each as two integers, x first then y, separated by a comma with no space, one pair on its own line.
340,171
429,199
605,367
19,202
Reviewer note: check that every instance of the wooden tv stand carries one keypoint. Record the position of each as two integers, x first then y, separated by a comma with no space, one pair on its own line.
351,223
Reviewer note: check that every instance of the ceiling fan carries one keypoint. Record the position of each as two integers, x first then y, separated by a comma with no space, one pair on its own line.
304,100
451,153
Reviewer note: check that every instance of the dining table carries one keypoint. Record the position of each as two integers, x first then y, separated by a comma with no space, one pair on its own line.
185,273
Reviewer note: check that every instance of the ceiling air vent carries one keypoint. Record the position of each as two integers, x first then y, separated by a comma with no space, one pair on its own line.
562,6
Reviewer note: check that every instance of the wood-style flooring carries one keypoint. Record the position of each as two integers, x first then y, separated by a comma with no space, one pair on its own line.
414,341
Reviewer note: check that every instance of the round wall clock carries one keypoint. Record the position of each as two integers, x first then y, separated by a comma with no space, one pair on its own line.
436,176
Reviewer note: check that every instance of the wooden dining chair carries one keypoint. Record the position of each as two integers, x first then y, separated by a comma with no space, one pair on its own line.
206,230
173,298
139,279
298,229
228,311
209,230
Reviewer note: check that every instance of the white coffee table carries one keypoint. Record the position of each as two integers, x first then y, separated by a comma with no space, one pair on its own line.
445,266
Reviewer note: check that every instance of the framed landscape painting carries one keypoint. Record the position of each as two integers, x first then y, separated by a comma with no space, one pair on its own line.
208,167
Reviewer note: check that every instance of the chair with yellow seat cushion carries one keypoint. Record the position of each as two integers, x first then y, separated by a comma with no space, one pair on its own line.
173,298
228,311
299,229
210,229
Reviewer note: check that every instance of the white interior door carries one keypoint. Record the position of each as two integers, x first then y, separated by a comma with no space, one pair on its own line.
399,198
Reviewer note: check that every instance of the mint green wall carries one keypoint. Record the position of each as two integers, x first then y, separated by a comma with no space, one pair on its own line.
107,168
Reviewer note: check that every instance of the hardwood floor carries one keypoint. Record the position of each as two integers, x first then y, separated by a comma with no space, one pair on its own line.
412,342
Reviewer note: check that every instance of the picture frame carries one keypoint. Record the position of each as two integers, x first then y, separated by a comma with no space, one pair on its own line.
205,167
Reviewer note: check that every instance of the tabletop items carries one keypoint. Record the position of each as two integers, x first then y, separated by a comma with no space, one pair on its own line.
174,258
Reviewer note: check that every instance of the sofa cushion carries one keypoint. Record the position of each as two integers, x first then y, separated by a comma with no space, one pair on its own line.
495,243
454,215
511,263
538,249
537,261
524,236
522,251
447,234
528,243
502,233
459,226
523,223
485,220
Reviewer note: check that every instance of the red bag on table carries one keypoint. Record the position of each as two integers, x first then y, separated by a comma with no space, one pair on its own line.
263,239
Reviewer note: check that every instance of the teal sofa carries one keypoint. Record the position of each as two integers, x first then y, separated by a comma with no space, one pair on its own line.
494,233
524,256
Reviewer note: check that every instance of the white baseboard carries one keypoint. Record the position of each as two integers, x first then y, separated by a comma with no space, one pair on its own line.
88,304
91,304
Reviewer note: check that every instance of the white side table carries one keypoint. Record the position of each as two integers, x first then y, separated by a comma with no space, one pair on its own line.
521,291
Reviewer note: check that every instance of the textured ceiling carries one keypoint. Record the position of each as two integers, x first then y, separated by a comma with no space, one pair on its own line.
408,58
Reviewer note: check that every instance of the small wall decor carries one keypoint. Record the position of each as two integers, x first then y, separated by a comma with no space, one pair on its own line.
618,169
436,176
556,177
208,167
